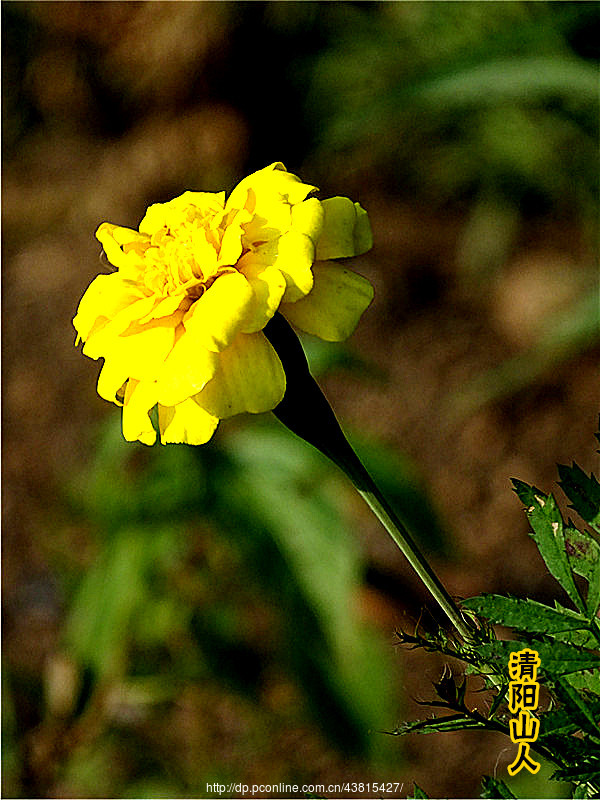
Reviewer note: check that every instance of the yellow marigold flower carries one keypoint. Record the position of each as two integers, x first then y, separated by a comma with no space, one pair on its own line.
179,324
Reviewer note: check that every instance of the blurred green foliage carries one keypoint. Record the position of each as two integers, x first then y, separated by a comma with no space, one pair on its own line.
229,562
277,504
464,100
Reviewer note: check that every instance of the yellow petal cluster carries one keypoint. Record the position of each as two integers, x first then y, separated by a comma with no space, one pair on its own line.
179,323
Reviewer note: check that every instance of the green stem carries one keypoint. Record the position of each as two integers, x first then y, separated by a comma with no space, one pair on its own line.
416,559
306,412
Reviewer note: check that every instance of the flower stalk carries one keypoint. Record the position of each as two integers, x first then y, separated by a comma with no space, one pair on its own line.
306,412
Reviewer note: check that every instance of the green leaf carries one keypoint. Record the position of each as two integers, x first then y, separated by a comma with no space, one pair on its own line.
548,534
495,788
574,750
578,638
557,721
498,700
583,791
587,772
560,721
588,681
418,793
526,615
456,722
583,553
557,658
579,710
583,491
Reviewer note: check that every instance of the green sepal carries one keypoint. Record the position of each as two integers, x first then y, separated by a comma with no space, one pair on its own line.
304,408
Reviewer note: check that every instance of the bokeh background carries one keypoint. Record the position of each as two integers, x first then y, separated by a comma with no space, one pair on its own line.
177,616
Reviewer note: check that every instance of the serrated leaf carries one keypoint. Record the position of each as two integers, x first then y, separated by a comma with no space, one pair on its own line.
575,750
580,711
583,491
557,721
418,793
495,788
457,722
583,552
526,615
557,658
498,700
577,638
560,721
548,534
588,681
583,792
589,772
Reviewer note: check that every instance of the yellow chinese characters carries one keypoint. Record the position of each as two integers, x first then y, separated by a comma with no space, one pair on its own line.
523,699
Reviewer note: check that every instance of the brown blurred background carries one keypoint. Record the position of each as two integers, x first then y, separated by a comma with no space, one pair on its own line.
468,131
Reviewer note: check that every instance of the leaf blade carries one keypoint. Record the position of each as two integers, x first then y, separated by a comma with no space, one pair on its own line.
557,658
548,533
525,614
583,491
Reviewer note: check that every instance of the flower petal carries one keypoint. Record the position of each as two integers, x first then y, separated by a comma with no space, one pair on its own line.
186,370
204,251
111,379
249,378
268,285
221,312
166,307
104,298
185,423
308,218
295,256
271,183
333,308
123,246
140,397
140,351
231,243
101,337
346,230
160,215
